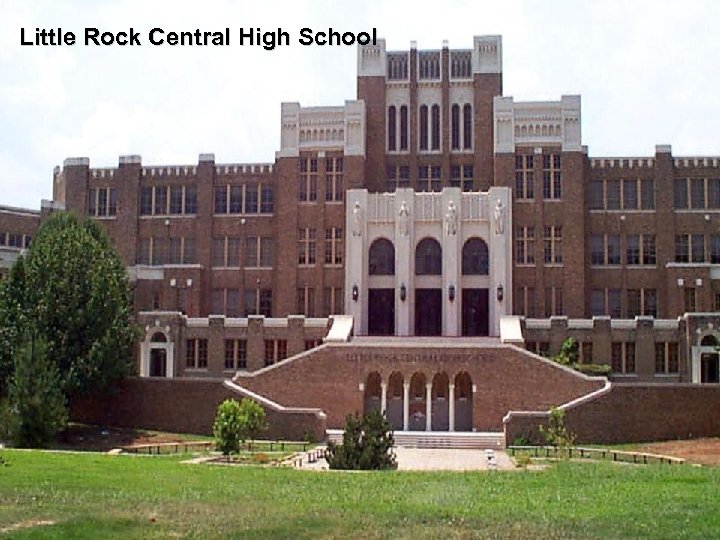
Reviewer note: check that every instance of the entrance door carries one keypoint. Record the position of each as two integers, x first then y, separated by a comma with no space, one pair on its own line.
475,312
428,312
381,312
158,362
709,368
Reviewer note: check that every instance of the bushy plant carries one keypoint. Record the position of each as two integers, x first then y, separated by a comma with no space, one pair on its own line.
36,405
556,434
227,427
367,444
236,422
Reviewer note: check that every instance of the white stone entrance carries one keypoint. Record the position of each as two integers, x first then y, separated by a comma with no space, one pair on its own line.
157,353
435,263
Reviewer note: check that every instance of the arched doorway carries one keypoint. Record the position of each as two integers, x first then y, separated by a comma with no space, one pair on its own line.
381,300
428,300
418,403
463,402
440,405
394,411
372,392
709,360
157,354
475,301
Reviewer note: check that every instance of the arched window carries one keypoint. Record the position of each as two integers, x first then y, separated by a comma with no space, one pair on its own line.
424,127
475,259
158,337
455,127
391,128
467,127
428,258
436,127
709,341
382,258
403,127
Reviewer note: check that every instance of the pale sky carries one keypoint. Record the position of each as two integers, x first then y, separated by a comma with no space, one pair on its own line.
648,73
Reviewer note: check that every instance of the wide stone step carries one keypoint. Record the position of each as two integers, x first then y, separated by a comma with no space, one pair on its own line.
438,439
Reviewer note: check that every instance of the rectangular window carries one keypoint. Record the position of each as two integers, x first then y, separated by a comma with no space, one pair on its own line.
332,301
647,194
649,300
597,200
146,196
161,200
648,249
236,199
623,357
632,249
221,200
597,302
697,193
697,248
614,297
334,179
218,252
267,252
251,199
190,353
552,180
334,245
159,251
525,301
715,249
680,193
306,301
713,195
633,303
689,300
190,200
176,199
525,245
259,252
597,249
524,177
630,195
306,246
613,194
553,301
266,302
666,358
235,354
613,249
552,239
229,354
196,353
682,248
267,204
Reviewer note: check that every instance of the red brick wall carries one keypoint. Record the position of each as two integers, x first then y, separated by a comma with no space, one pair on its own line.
634,413
506,378
182,406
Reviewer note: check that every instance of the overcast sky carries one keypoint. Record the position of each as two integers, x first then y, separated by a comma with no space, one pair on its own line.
648,73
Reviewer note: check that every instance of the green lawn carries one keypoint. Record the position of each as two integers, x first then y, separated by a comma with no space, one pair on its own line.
99,496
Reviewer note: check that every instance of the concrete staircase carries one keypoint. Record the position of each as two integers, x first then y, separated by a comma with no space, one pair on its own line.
439,439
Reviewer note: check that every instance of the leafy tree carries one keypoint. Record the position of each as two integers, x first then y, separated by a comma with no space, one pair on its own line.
36,405
367,444
227,427
568,356
73,289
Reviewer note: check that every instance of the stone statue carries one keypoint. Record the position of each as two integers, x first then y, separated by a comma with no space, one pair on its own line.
451,219
357,220
499,214
404,219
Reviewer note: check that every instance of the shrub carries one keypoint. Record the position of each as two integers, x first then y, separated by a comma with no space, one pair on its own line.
235,422
227,427
367,444
556,434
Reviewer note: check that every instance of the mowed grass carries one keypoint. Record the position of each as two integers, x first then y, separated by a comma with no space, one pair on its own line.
100,496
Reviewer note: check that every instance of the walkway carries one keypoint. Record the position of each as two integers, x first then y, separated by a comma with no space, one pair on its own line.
437,459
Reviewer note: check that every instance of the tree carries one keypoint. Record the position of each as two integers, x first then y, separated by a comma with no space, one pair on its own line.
36,406
72,288
367,444
556,434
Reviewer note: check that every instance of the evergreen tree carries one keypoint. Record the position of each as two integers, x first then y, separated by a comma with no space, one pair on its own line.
37,408
367,444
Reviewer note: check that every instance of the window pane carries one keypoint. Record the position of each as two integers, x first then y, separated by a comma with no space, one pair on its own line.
630,200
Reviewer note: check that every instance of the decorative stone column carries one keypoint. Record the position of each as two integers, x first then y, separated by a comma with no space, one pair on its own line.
428,407
451,407
406,405
383,397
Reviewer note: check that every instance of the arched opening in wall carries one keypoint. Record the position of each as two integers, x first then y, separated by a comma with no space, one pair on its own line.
394,411
372,392
440,405
475,301
391,127
709,360
428,301
382,258
157,362
463,402
418,403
